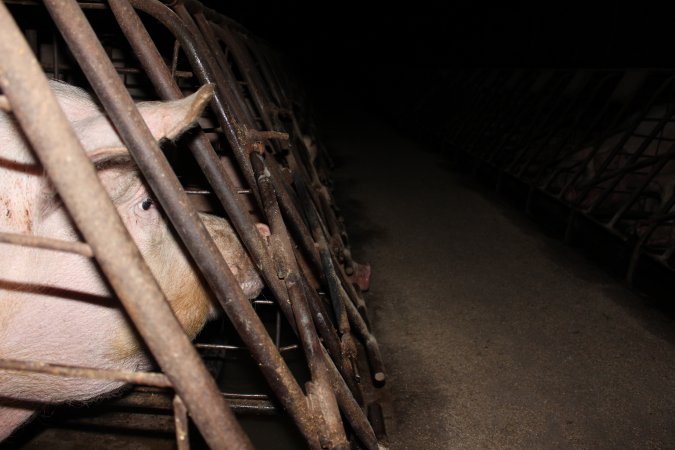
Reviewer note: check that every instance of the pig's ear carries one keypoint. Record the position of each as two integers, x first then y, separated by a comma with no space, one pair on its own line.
171,119
164,119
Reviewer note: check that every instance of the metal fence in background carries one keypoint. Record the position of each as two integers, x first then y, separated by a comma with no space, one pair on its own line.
584,148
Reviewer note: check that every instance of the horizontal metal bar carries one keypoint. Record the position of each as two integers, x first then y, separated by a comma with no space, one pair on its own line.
144,378
79,248
235,347
118,257
83,5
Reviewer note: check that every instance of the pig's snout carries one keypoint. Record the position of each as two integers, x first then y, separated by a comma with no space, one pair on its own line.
234,253
186,291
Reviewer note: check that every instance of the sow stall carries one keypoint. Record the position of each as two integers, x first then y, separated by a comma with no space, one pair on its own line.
588,152
308,335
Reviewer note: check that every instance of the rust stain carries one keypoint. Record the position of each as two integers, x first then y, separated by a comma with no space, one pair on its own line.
28,221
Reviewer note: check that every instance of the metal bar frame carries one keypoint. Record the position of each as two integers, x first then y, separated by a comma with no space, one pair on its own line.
198,395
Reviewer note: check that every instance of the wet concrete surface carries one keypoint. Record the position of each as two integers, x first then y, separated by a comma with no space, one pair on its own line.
495,336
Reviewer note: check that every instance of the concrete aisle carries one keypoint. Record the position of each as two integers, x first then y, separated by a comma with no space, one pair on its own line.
494,335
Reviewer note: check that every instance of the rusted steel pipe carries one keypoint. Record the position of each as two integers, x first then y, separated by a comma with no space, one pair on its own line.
331,341
57,147
201,148
352,410
219,67
376,418
165,185
324,252
344,309
246,69
230,94
162,399
180,418
252,81
223,75
372,347
144,378
204,71
80,248
255,83
240,152
291,211
209,162
333,431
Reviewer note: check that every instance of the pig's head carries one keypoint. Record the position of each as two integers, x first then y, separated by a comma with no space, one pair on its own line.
167,259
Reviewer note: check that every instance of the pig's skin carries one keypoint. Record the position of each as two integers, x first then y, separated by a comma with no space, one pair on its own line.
55,307
661,187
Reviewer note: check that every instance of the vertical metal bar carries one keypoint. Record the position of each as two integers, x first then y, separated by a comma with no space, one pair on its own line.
205,73
56,145
219,69
210,164
351,409
55,56
157,172
333,432
181,423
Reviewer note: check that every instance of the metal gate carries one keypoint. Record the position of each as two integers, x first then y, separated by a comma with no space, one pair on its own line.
258,118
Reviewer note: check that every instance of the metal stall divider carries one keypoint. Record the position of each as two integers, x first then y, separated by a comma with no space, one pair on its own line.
32,103
595,144
295,193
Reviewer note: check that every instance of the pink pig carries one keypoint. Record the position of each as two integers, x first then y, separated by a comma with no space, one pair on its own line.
56,307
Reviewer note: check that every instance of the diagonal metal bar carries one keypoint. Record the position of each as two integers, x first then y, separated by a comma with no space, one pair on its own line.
56,146
157,172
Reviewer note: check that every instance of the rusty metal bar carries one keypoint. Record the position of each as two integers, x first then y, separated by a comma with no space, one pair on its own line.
230,94
162,399
57,147
220,68
223,75
253,82
372,347
376,418
333,433
144,378
217,178
223,188
351,409
201,148
180,418
204,154
201,60
345,311
80,248
332,342
175,203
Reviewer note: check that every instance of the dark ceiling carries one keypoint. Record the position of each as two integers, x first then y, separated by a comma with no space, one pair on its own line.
464,33
369,44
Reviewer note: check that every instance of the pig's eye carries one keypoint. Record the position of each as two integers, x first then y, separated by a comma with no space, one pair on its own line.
147,204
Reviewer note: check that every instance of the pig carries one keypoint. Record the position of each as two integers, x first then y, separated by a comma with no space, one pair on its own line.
659,189
56,307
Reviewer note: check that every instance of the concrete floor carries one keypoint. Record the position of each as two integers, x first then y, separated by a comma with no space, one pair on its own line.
494,335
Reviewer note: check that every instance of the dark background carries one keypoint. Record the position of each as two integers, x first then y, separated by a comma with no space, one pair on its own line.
347,40
384,56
